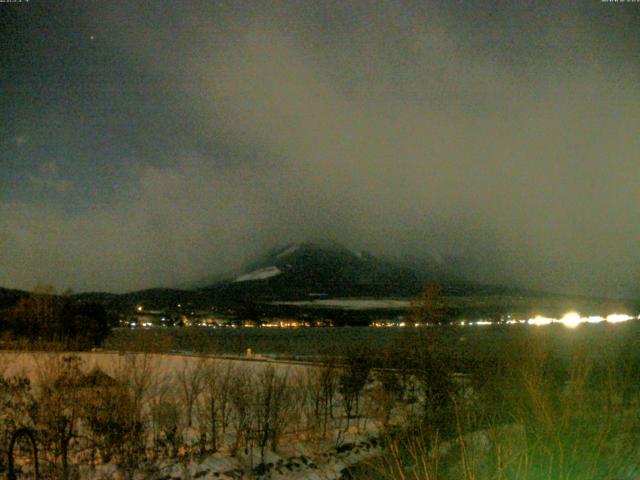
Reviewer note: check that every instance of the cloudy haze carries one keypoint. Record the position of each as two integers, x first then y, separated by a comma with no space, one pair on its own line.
145,147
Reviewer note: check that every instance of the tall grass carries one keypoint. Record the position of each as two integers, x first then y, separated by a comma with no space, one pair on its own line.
531,412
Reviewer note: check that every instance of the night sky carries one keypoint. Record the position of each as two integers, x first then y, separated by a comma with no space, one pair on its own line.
149,144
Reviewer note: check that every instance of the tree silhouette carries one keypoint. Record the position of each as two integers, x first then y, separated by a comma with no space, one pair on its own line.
429,306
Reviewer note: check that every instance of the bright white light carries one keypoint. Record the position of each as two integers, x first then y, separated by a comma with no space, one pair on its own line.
617,318
571,320
594,319
540,320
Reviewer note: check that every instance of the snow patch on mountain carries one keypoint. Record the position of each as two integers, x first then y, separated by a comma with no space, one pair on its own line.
351,303
259,274
288,251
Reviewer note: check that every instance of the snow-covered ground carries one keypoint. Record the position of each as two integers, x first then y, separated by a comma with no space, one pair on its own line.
30,364
260,274
295,462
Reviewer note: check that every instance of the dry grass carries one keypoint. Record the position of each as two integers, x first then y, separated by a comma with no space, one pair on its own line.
530,416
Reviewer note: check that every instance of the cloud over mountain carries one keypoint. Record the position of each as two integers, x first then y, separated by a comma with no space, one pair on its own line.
506,135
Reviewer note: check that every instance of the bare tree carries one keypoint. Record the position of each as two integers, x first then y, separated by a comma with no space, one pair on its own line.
137,375
191,380
429,305
166,420
161,392
353,377
214,406
207,407
58,408
321,386
224,401
297,407
272,397
241,395
107,414
391,385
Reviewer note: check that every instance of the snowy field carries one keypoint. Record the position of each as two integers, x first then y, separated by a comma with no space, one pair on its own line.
33,364
351,303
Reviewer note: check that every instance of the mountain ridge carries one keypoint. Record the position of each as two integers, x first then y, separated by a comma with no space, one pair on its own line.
300,271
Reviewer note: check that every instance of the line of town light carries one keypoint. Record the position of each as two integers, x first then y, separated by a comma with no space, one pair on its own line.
569,319
573,319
